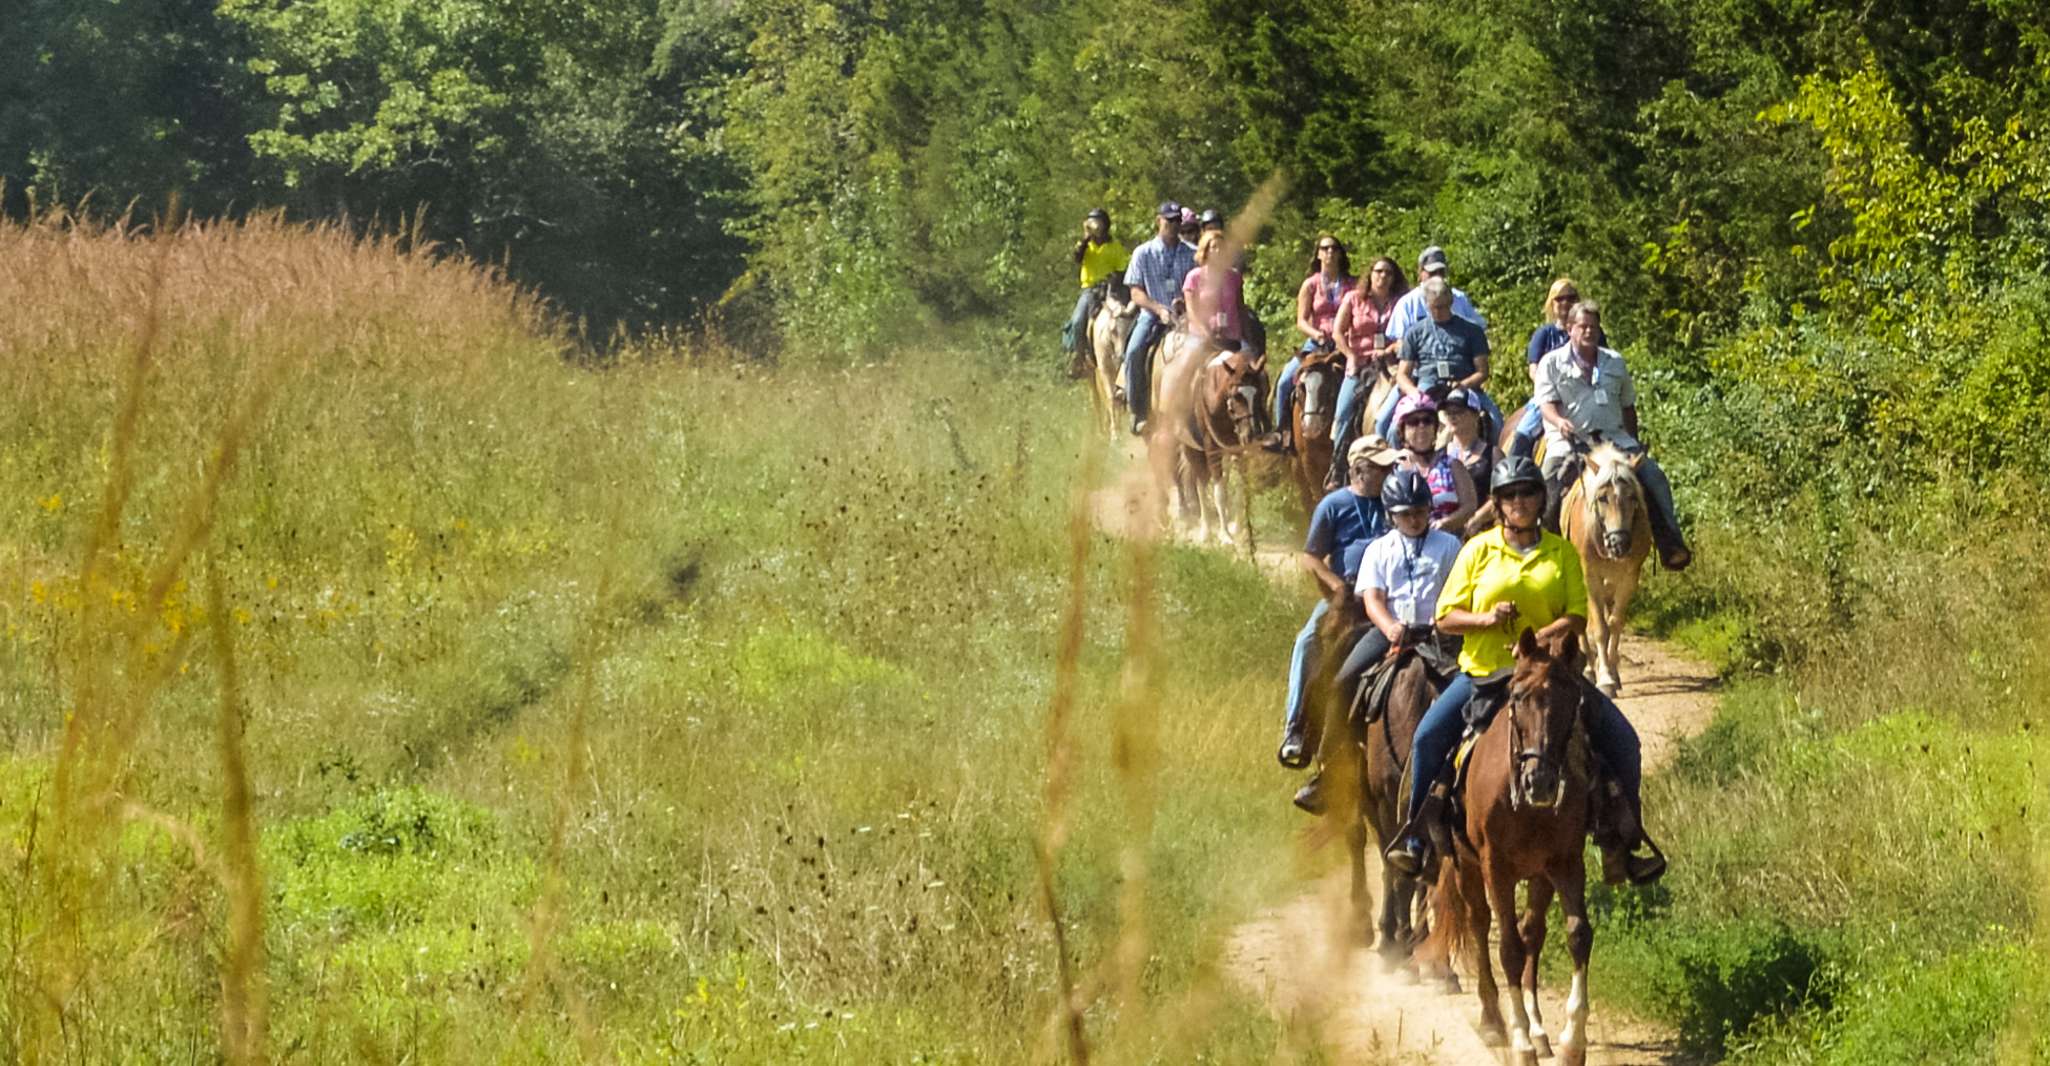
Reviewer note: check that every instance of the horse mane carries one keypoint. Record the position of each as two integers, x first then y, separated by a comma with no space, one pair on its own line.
1606,462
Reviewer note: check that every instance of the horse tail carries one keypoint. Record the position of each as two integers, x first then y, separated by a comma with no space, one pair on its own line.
1450,937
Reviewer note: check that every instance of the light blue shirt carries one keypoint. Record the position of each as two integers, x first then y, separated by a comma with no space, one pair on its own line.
1411,308
1159,269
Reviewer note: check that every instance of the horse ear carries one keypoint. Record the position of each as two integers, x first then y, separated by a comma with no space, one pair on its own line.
1527,645
1565,650
1637,459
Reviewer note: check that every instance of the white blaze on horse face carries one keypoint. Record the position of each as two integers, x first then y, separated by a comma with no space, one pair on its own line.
1313,393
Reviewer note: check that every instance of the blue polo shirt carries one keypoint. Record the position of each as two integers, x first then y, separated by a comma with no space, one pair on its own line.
1341,527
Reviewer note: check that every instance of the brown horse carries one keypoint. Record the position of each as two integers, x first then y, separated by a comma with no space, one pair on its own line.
1527,797
1605,517
1108,332
1314,404
1206,419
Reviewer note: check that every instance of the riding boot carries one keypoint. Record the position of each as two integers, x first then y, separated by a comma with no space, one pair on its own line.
1619,832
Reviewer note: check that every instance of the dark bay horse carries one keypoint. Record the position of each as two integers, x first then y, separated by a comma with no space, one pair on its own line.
1314,404
1527,798
1364,774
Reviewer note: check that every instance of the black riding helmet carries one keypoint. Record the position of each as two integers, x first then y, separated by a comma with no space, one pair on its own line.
1515,470
1405,490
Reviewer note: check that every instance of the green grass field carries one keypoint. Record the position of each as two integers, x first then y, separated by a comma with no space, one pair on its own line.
669,709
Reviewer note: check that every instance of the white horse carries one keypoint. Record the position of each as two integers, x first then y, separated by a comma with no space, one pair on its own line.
1604,515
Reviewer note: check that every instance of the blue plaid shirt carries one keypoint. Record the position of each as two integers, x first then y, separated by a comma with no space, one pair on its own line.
1159,269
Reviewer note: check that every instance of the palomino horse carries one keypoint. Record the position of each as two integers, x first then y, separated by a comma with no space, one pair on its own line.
1315,401
1604,516
1527,796
1207,419
1108,332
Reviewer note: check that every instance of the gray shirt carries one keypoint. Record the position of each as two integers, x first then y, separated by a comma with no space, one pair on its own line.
1593,398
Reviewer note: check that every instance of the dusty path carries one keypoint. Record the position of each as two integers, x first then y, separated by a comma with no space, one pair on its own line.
1302,957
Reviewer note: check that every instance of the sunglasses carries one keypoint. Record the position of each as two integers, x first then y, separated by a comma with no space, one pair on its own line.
1566,298
1519,492
1327,247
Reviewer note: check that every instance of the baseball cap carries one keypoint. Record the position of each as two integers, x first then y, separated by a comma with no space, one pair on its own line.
1432,261
1373,449
1170,209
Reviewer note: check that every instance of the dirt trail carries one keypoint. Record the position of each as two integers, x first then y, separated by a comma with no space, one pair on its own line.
1311,968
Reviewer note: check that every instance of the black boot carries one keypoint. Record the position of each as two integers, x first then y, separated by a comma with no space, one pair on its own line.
1310,797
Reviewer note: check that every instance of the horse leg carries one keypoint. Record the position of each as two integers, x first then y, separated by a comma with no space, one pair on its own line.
1571,880
1220,498
1533,933
1598,626
1619,606
1502,898
1474,891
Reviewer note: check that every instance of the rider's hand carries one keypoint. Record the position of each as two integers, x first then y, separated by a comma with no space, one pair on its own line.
1394,634
1503,613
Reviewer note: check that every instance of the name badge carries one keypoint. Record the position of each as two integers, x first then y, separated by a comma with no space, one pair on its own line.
1601,398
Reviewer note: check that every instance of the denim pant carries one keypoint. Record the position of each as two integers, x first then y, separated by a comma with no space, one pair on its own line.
1529,427
1302,665
1352,395
1384,422
1284,391
1077,333
1609,732
1137,374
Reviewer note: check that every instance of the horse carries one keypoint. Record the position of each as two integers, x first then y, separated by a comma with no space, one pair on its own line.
1604,514
1314,403
1200,429
1108,332
1528,793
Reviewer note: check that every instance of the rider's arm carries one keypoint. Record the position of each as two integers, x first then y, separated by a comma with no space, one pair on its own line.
1555,416
1340,328
1469,501
1575,624
1376,602
1319,569
1630,420
1479,377
1403,361
1305,298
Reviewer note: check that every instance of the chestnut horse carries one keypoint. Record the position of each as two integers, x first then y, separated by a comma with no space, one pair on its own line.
1315,402
1108,332
1604,515
1206,419
1527,793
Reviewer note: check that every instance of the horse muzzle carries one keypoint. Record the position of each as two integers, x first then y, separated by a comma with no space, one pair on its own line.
1544,788
1616,544
1315,426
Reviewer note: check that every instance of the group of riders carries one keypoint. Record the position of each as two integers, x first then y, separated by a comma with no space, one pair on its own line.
1439,516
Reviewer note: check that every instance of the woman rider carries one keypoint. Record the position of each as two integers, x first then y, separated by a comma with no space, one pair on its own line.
1316,312
1215,294
1453,499
1401,574
1514,577
1467,441
1551,334
1362,334
1102,260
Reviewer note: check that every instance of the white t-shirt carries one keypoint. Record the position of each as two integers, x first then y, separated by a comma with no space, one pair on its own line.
1411,572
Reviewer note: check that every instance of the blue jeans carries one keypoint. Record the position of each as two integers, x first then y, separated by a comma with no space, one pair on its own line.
1302,665
1077,334
1529,428
1609,732
1137,374
1284,392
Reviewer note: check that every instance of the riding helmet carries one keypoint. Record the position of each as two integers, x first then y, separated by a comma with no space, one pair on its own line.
1515,470
1405,490
1410,405
1099,214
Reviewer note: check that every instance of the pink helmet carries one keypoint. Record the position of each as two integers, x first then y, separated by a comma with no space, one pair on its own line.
1188,217
1410,405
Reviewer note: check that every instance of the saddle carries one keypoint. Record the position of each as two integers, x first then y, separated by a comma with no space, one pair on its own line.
1440,656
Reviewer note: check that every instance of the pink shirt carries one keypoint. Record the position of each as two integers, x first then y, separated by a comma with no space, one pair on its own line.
1365,323
1223,322
1324,297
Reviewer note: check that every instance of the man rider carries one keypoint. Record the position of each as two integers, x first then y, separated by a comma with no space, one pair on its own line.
1585,391
1412,308
1400,577
1155,275
1520,576
1344,523
1102,261
1440,353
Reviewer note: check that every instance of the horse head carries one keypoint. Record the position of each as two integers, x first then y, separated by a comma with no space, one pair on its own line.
1316,386
1231,396
1614,497
1544,712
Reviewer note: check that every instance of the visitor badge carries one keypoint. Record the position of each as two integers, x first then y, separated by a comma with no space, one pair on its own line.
1601,398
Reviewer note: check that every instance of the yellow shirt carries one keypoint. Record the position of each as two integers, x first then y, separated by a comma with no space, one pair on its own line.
1100,261
1544,583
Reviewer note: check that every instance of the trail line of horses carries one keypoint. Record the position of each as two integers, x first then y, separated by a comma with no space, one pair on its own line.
1305,957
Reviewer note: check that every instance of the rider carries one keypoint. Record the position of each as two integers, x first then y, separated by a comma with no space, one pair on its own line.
1412,308
1442,352
1316,313
1584,391
1344,523
1400,577
1102,260
1453,499
1211,219
1549,336
1215,294
1514,577
1475,450
1155,274
1362,332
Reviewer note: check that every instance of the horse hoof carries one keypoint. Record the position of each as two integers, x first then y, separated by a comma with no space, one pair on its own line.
1449,984
1492,1034
1610,688
1573,1055
1542,1044
1527,1057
